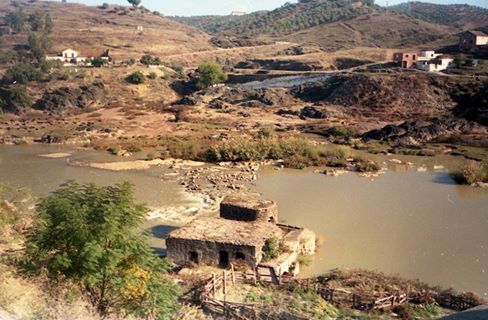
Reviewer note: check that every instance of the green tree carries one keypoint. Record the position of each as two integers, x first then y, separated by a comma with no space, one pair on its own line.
90,235
210,73
36,21
48,23
39,44
136,78
16,20
135,3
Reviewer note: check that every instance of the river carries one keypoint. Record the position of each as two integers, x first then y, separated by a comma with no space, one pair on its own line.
413,220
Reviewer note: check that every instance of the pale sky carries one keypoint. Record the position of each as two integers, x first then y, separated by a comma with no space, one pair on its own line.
224,7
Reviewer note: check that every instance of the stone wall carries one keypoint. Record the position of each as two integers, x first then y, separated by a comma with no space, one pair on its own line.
184,251
248,209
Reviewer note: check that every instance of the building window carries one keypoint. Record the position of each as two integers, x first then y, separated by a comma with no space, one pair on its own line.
193,257
406,56
240,256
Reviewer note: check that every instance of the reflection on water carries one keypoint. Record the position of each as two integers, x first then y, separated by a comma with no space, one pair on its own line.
283,82
417,224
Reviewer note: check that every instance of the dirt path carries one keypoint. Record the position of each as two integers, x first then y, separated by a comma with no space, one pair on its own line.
232,50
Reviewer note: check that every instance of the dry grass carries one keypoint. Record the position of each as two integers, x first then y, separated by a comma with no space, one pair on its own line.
34,299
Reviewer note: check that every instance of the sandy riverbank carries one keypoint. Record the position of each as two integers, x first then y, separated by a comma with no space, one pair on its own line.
136,164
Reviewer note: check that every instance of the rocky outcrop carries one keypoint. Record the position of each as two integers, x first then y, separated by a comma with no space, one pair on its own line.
68,99
412,133
253,98
400,96
473,104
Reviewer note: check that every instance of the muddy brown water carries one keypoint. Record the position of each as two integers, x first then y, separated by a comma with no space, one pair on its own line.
413,220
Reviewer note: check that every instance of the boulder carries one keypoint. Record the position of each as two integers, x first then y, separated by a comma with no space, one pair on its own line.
313,113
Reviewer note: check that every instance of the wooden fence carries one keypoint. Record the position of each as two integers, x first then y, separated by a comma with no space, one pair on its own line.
219,285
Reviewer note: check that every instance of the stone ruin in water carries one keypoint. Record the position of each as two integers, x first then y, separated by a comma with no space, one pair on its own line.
237,237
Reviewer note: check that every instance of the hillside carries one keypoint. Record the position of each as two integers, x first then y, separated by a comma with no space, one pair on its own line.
379,29
343,24
94,29
289,18
460,16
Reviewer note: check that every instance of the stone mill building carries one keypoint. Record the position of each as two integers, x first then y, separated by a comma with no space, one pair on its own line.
238,235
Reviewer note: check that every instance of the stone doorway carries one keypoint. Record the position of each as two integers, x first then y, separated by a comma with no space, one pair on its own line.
223,259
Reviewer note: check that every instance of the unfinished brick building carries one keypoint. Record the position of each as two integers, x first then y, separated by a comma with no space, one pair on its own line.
238,236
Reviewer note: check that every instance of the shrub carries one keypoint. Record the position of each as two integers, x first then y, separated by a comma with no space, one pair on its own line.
6,57
90,236
63,76
131,62
404,312
271,249
472,172
210,74
152,75
149,60
48,65
179,70
21,73
14,99
136,78
364,165
98,62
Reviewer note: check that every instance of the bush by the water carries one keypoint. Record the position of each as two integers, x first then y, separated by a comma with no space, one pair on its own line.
264,149
271,249
473,172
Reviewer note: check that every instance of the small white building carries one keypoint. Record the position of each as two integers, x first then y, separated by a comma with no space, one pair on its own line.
435,65
431,61
72,57
237,13
428,55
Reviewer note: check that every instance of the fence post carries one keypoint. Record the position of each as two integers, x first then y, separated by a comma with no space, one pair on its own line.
255,275
224,278
233,275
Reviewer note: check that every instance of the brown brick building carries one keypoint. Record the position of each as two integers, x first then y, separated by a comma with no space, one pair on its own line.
473,42
405,59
